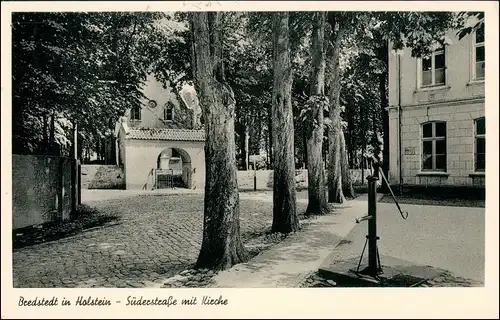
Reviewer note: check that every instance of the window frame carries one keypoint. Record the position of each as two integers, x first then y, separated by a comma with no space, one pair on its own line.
139,113
474,46
169,106
434,138
420,72
480,136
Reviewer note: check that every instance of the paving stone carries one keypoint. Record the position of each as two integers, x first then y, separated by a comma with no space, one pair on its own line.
331,282
108,255
197,278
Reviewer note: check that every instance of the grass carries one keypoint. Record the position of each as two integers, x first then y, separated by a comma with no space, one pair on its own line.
108,177
83,218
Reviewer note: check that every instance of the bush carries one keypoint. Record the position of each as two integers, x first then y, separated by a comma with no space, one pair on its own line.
83,218
259,160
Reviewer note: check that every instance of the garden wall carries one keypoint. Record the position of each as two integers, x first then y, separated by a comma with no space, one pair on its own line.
265,178
44,189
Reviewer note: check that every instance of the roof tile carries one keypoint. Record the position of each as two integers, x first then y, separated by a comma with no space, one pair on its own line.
166,134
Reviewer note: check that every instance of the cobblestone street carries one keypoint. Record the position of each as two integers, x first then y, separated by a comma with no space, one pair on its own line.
155,237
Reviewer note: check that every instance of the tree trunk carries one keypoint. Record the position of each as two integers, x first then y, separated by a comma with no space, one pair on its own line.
257,143
335,194
52,142
221,246
247,148
247,142
385,123
270,136
375,142
268,152
97,148
305,152
45,134
350,152
383,55
243,146
347,188
285,218
315,172
75,143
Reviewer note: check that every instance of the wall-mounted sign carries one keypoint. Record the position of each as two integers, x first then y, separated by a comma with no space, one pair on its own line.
409,150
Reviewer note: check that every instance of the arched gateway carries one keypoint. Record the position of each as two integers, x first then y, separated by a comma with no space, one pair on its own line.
173,169
162,158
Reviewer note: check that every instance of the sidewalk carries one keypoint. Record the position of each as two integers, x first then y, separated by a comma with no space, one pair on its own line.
288,263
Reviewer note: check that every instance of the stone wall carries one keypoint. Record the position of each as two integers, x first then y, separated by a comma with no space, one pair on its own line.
265,179
44,188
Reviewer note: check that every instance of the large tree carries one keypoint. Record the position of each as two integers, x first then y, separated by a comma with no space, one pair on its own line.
80,67
285,218
222,246
314,121
337,31
423,32
249,72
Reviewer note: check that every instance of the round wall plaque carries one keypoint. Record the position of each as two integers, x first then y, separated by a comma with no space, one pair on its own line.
152,104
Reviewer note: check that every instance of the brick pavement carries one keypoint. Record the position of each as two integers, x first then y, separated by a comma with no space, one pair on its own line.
156,237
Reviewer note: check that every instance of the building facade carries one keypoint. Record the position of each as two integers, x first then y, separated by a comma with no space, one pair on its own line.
161,143
437,115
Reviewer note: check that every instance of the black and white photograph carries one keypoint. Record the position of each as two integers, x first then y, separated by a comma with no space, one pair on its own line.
304,149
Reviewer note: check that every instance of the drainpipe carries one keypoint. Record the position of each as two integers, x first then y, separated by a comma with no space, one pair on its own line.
117,152
399,127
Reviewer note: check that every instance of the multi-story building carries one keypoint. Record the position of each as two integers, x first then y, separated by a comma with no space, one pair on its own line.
437,115
161,143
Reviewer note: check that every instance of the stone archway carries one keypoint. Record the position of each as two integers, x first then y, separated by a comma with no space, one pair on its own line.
174,164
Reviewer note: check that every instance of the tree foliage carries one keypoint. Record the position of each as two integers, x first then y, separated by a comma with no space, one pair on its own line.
83,67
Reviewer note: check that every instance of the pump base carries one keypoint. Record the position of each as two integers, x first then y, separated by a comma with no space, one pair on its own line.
396,273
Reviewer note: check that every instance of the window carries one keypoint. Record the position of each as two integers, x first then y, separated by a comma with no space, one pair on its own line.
434,146
168,112
480,147
479,60
135,113
433,69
